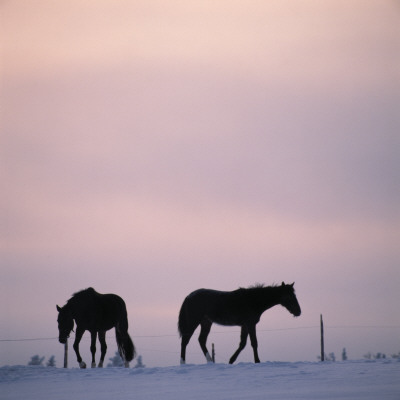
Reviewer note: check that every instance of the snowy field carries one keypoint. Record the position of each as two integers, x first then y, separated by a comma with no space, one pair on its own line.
366,380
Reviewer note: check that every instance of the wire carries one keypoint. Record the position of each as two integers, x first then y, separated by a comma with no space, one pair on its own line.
26,340
230,331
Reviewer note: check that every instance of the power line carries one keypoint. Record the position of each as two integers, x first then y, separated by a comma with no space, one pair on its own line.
230,331
364,327
26,340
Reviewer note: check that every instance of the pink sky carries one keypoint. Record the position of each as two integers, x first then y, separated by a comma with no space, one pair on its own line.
150,148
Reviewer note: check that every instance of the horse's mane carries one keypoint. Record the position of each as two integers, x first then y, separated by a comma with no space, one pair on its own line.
258,290
82,294
89,290
259,286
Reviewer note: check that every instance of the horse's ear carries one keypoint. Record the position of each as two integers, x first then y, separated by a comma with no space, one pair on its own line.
283,283
292,284
58,308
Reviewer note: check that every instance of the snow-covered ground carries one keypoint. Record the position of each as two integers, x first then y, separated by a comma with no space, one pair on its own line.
366,380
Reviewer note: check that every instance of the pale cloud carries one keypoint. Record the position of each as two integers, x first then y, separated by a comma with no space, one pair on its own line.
298,43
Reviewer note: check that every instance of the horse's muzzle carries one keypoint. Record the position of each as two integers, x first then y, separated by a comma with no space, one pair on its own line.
63,340
297,313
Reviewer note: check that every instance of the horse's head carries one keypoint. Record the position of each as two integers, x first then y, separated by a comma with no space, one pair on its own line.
289,299
65,324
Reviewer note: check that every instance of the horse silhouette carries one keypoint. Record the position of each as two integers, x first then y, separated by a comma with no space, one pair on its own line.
96,313
241,307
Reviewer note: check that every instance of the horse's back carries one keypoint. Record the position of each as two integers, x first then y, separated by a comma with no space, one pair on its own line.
201,293
112,299
207,301
98,311
111,306
221,307
97,302
204,297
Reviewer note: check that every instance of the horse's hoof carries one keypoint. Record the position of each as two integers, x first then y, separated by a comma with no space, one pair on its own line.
208,358
126,364
100,365
82,364
94,365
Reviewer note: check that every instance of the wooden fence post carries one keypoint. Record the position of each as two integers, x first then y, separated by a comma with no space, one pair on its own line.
213,353
66,354
322,339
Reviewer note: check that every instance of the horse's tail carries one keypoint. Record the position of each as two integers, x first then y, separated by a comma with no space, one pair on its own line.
182,320
126,347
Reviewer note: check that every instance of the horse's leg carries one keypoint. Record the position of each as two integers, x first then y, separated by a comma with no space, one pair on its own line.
253,341
184,342
243,340
93,347
205,330
102,339
78,337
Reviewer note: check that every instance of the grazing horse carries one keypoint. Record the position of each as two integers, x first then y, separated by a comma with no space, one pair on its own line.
96,313
241,307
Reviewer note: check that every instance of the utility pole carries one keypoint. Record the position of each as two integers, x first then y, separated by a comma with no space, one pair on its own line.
66,354
322,339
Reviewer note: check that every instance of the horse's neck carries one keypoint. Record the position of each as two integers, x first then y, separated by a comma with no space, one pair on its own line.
271,297
70,308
